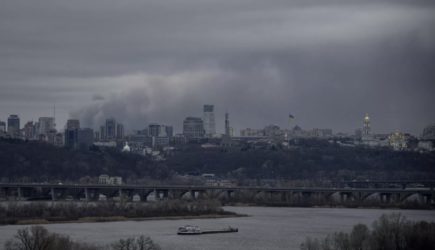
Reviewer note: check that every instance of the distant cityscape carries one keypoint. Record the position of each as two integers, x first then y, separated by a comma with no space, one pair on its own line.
202,130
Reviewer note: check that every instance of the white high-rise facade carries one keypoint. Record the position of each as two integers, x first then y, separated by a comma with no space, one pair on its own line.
209,122
46,124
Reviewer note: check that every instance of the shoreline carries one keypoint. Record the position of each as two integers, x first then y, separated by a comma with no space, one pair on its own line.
120,219
236,204
225,214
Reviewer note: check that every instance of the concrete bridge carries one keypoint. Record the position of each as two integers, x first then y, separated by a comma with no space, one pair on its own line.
95,192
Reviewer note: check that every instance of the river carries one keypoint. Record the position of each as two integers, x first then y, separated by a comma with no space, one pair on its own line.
267,228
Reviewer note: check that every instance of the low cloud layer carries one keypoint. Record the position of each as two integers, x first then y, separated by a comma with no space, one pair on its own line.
326,62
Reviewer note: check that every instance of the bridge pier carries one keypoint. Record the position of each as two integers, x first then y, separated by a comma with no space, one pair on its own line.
358,196
19,193
53,195
192,194
165,194
230,194
284,197
306,195
343,197
428,198
156,195
385,198
425,199
120,194
395,198
86,194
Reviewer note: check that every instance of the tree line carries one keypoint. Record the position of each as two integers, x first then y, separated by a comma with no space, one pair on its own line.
310,159
389,232
39,238
13,213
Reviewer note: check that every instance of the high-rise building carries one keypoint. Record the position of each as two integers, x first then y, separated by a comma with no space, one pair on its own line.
30,131
227,124
2,127
159,130
169,131
71,138
52,136
155,130
226,139
119,131
46,124
157,135
59,140
73,124
96,135
72,133
209,121
193,128
14,125
110,129
76,137
102,133
85,138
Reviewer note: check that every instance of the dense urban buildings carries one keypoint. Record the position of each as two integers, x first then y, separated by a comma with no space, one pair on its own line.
193,128
112,130
157,136
429,132
252,132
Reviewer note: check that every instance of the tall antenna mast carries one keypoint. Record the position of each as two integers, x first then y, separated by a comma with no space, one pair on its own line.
54,115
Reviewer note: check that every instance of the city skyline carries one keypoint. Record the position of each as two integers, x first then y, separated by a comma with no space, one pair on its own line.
326,62
364,128
291,124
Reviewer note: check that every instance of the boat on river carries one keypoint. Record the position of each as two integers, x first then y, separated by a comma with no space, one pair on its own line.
195,230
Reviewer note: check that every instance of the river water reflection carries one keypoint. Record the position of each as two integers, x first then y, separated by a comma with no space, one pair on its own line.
267,228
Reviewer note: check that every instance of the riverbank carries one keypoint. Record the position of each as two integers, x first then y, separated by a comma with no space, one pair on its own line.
122,218
49,213
368,205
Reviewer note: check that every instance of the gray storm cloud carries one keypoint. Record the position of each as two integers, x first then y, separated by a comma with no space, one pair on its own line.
327,62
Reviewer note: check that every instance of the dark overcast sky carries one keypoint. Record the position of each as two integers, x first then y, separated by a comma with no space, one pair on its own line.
327,62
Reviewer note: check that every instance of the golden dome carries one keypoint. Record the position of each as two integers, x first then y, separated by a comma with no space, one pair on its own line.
367,118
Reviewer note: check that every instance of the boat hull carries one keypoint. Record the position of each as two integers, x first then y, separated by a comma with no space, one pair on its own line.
231,230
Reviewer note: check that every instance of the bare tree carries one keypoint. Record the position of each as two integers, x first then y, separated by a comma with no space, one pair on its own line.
140,243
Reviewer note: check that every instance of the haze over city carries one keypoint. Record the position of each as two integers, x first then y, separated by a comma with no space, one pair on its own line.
217,124
326,62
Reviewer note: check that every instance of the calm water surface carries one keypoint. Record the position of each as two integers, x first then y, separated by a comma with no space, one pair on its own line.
266,229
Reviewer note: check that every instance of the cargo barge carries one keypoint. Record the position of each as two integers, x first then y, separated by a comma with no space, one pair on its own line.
195,230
